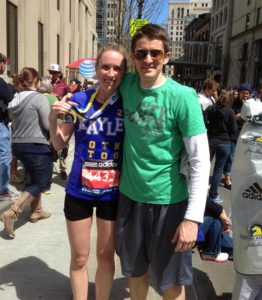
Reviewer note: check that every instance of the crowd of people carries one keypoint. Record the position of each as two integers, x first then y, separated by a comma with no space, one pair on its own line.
141,161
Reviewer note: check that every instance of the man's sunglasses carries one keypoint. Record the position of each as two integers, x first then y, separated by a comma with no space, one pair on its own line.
155,54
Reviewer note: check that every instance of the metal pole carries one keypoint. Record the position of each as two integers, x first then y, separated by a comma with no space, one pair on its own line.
140,7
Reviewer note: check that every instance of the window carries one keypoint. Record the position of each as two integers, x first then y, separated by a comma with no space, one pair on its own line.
58,4
40,49
70,52
248,2
70,9
225,15
221,18
247,21
244,51
58,48
258,15
178,13
12,40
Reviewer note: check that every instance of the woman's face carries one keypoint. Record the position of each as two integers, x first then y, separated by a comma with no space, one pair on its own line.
110,70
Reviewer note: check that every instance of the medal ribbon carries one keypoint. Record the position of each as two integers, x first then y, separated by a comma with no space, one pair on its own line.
85,113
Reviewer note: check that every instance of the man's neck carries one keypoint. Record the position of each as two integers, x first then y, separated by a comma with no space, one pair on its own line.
153,82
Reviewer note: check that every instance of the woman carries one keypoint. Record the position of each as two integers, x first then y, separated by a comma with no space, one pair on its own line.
93,181
221,127
29,112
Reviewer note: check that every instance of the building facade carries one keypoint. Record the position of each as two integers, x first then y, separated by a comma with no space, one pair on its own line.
110,21
220,33
245,52
36,33
180,14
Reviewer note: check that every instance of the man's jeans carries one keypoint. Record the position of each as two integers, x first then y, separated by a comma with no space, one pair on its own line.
5,157
222,151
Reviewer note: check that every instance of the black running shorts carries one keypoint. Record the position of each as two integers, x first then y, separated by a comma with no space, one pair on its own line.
76,209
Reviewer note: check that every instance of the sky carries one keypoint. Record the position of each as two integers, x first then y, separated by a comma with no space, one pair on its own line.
163,16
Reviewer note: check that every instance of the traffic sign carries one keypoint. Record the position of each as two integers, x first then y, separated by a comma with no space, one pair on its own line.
135,24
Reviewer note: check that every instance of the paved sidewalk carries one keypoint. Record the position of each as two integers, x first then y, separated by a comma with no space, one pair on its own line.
35,264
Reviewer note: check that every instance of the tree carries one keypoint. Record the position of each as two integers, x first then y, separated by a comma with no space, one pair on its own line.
119,15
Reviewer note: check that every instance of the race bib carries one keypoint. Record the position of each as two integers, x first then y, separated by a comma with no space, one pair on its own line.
99,177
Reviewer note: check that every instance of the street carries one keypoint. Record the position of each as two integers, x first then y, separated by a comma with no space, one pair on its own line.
35,264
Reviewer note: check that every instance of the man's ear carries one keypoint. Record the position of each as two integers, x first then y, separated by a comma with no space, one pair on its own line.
132,57
166,57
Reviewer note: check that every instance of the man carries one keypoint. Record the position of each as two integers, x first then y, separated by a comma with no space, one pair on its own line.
157,220
60,89
5,149
209,94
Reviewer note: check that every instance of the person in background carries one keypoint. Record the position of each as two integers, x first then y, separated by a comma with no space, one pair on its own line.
208,95
95,174
6,96
16,176
221,127
75,86
157,219
217,245
243,93
29,112
60,89
45,87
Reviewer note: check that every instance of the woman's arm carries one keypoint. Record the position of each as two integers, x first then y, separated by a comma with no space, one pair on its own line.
60,133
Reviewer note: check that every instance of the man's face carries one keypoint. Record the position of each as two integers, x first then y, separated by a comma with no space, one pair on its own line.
54,75
2,67
149,58
244,95
211,92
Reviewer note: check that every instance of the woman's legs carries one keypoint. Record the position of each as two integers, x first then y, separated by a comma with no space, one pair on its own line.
79,239
222,153
105,250
228,164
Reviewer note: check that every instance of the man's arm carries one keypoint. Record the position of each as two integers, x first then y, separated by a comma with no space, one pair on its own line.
5,93
198,151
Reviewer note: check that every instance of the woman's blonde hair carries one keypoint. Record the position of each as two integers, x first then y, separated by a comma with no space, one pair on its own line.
112,47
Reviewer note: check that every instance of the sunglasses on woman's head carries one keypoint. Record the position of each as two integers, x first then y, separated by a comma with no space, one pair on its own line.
155,54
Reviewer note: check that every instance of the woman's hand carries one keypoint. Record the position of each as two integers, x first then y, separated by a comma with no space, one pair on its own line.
224,219
61,107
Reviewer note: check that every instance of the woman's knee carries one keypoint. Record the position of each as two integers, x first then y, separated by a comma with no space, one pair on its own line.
106,257
79,261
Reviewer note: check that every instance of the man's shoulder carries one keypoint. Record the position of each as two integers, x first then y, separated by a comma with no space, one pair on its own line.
3,82
179,90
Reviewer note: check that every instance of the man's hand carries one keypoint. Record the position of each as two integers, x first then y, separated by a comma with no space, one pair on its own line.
185,236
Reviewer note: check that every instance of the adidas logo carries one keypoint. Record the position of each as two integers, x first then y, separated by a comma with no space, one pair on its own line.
254,192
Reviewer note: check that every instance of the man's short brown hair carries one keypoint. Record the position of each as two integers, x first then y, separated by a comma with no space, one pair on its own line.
209,84
152,32
3,58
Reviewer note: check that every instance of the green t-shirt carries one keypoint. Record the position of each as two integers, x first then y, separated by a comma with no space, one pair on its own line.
156,120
